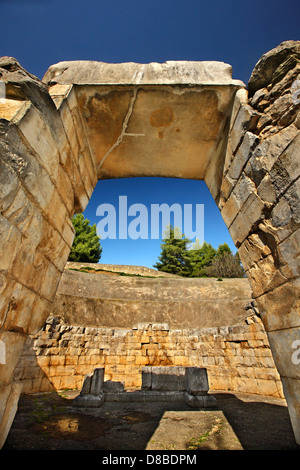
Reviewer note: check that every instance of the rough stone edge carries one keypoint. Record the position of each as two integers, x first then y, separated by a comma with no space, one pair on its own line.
85,72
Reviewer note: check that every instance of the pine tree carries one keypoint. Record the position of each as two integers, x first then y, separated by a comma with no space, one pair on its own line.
86,245
200,258
174,256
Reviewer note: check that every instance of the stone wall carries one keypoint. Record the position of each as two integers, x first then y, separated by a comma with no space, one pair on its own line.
258,194
43,181
104,300
237,357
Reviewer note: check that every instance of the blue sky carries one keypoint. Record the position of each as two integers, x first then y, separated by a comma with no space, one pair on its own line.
39,33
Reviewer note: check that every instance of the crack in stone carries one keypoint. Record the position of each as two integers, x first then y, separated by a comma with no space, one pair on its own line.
11,303
124,127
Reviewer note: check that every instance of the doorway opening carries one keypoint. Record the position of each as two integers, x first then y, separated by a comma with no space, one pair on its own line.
149,191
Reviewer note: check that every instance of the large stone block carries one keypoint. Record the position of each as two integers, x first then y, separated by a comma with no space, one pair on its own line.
200,401
279,308
9,185
291,387
253,249
10,240
37,134
91,394
250,141
10,406
286,169
146,378
245,121
285,346
12,343
289,254
263,72
249,215
267,153
31,172
164,378
196,381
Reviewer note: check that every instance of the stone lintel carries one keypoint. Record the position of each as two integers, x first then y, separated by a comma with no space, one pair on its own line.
85,72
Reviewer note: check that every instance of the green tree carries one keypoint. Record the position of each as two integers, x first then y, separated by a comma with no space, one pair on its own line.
174,256
196,245
86,245
201,258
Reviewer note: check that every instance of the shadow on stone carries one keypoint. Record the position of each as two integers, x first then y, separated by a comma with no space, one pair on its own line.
49,421
91,394
260,423
159,383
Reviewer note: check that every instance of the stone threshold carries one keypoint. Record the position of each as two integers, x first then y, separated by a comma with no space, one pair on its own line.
145,396
199,401
140,396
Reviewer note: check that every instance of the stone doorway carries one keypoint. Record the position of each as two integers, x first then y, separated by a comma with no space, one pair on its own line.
89,120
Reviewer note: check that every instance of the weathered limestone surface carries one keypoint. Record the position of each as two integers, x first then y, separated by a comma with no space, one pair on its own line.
259,199
91,394
103,300
149,119
190,120
274,65
41,186
236,357
86,72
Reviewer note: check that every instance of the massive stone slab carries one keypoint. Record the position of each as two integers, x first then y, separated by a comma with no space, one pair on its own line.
87,72
150,119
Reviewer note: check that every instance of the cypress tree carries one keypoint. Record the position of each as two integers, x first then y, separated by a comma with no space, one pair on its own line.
86,245
174,257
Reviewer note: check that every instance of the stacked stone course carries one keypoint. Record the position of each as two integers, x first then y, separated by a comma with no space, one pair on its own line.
259,199
237,357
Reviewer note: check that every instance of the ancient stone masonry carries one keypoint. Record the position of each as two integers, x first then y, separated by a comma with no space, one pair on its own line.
42,185
160,383
89,120
259,201
43,181
236,357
